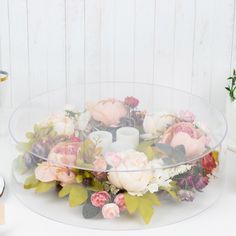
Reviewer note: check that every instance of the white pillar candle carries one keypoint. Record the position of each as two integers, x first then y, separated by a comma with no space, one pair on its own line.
120,146
103,139
128,135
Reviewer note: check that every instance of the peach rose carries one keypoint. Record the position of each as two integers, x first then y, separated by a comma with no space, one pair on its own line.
100,163
109,111
64,154
185,133
110,211
46,172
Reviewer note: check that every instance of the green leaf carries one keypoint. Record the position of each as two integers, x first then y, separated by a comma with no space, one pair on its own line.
65,191
43,187
89,211
78,195
146,210
96,186
24,147
20,164
171,192
36,128
29,135
79,179
31,182
152,197
87,153
131,202
146,148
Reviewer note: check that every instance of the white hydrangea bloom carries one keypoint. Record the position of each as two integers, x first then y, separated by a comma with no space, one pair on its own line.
162,177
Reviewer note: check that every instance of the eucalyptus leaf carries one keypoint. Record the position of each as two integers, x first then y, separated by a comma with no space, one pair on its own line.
166,148
173,154
89,211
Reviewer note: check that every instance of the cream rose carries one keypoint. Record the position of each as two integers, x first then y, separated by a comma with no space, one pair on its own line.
128,173
155,124
62,124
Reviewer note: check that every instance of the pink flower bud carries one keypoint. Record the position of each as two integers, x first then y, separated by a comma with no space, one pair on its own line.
99,199
110,211
120,201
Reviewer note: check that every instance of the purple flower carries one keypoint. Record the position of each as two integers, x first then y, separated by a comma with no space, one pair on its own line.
201,183
185,195
187,182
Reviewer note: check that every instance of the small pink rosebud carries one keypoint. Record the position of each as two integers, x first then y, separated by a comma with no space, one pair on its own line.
131,102
120,201
110,211
187,116
99,199
74,139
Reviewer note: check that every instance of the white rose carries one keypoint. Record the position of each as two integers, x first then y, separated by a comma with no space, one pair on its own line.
134,182
62,125
155,124
83,120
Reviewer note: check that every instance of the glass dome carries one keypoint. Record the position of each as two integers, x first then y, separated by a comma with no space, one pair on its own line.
117,150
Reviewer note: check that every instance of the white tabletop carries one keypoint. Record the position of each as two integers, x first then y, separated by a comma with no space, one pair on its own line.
20,221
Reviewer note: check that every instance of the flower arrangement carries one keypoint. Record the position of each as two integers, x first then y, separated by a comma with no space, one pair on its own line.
114,158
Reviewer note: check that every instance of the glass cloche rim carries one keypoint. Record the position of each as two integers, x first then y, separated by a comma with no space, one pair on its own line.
166,166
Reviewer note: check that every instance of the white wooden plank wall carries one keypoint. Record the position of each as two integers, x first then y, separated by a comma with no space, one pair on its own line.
186,44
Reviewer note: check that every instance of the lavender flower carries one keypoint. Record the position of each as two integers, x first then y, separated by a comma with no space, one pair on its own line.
186,195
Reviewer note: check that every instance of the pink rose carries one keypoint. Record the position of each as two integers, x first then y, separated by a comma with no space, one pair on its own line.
64,154
46,172
74,139
99,199
184,133
120,201
131,102
100,163
109,111
187,116
110,211
113,159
